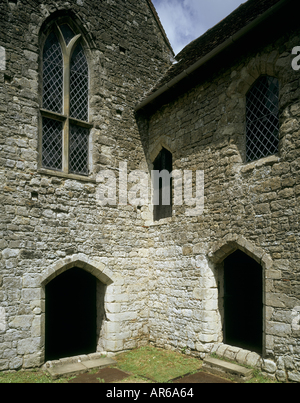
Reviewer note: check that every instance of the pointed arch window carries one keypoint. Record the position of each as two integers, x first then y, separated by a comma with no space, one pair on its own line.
65,103
163,186
262,121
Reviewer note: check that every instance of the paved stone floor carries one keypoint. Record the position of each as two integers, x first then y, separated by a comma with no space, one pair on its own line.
109,375
105,375
202,377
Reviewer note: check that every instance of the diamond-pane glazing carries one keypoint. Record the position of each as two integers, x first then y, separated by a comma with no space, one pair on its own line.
262,123
79,85
52,75
78,143
52,144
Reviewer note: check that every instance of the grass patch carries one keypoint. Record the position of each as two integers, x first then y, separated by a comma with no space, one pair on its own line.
157,364
258,377
27,376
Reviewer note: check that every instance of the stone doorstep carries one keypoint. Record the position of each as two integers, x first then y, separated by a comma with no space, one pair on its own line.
76,368
226,369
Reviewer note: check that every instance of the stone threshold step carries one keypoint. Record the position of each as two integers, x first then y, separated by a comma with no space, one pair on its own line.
226,369
76,368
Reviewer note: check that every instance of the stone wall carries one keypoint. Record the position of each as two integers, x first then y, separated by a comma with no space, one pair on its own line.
160,279
52,221
249,206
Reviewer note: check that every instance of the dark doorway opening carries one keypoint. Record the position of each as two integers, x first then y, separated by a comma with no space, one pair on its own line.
70,315
243,304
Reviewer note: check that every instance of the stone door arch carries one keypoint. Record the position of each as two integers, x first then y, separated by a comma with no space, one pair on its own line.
74,307
226,253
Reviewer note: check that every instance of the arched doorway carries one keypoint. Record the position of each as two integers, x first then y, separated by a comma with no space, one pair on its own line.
70,314
243,302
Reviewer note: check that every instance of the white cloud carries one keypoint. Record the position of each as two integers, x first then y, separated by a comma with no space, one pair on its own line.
185,20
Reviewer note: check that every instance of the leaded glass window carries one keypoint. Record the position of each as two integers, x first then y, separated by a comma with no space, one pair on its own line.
65,103
52,75
79,84
52,144
262,123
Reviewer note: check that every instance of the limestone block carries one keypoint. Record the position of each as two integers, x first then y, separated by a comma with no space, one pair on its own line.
275,300
121,317
33,360
253,360
31,280
273,274
242,356
113,345
281,376
29,346
124,297
208,338
16,363
2,58
37,325
23,322
294,376
231,352
210,305
4,365
30,294
203,348
278,329
111,327
269,366
8,253
113,307
221,350
2,320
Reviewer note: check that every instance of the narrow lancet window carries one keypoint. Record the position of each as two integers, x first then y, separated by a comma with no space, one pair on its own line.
262,123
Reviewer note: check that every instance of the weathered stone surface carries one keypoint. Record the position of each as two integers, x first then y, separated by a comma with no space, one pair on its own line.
156,281
2,320
269,366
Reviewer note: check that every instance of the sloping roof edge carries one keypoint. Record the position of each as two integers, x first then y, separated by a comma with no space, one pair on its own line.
156,17
210,55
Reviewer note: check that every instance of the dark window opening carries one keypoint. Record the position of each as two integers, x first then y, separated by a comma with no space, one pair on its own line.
163,162
262,123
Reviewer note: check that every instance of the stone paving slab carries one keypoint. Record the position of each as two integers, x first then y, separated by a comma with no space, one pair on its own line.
201,377
69,369
98,363
227,369
106,375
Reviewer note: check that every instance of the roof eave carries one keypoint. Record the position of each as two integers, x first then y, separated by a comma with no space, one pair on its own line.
209,56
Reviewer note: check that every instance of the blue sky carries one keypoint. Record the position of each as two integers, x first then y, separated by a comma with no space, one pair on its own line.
185,20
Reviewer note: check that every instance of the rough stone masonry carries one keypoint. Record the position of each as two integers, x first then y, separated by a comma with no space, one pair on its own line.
157,281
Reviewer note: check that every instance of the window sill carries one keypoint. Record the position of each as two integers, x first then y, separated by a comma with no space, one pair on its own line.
162,221
272,159
66,175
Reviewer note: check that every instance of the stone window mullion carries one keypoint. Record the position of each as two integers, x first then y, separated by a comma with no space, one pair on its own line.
66,108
